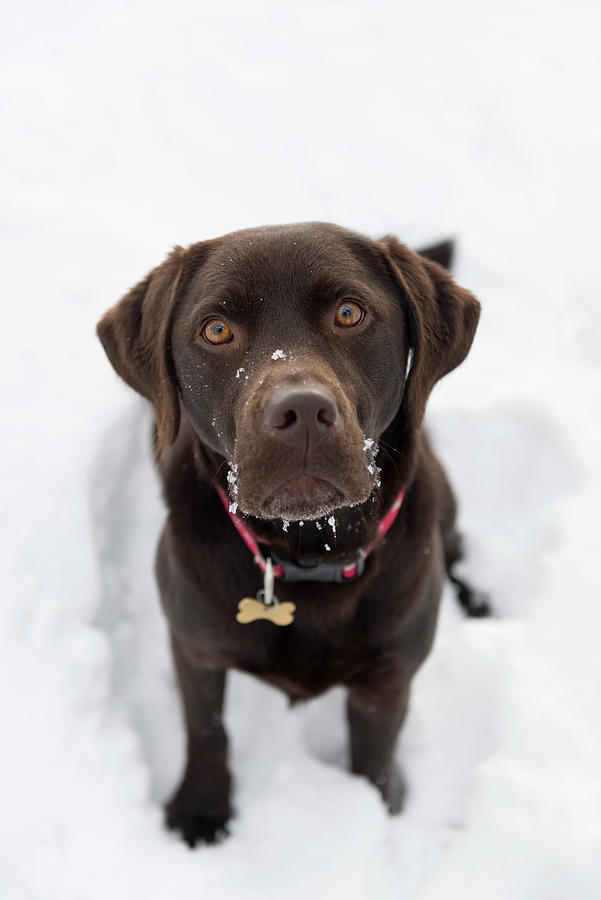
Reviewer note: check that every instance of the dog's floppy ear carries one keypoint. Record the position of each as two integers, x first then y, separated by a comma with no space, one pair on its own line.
442,319
135,334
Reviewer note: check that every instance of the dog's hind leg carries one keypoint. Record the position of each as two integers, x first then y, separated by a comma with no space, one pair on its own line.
473,601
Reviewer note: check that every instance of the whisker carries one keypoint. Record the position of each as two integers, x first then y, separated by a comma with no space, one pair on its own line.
384,450
394,449
215,476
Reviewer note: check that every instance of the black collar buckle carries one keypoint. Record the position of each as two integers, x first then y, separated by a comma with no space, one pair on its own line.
315,570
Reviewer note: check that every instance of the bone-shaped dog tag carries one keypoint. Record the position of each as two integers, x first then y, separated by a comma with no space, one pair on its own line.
267,605
251,610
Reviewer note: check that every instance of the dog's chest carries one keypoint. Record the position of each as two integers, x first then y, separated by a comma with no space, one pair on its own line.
303,668
315,652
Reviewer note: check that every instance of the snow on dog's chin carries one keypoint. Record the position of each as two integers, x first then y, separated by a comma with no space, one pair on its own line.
303,498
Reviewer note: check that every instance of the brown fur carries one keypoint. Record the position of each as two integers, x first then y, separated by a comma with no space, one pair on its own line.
278,288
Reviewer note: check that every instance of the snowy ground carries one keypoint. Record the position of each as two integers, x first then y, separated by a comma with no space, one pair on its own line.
128,127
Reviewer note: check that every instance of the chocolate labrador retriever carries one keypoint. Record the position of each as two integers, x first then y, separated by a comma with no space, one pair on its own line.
310,524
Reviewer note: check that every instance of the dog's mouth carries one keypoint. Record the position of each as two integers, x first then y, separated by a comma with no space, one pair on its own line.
269,479
302,497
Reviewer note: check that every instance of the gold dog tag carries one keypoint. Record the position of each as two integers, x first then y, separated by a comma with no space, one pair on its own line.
267,605
250,610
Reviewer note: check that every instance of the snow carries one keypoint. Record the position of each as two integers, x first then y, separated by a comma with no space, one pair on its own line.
131,127
232,479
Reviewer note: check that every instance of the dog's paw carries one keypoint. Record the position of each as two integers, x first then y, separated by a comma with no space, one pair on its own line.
393,788
475,603
195,828
480,605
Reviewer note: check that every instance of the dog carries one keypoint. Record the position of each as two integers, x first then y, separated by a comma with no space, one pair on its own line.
310,526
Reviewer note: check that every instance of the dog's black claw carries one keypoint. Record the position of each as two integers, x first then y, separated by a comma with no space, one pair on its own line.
195,829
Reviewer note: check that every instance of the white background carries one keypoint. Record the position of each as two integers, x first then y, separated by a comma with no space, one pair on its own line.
130,127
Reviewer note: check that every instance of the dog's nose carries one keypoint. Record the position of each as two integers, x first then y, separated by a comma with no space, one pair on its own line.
295,412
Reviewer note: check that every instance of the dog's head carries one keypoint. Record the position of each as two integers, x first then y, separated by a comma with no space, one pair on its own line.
291,349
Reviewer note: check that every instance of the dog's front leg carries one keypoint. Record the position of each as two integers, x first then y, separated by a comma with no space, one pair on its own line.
374,723
200,807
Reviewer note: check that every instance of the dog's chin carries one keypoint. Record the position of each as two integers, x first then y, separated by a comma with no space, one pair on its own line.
301,499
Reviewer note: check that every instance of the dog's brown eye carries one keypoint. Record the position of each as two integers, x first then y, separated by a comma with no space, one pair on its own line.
216,331
348,314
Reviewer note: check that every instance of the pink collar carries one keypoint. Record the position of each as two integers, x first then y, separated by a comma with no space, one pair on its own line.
339,572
